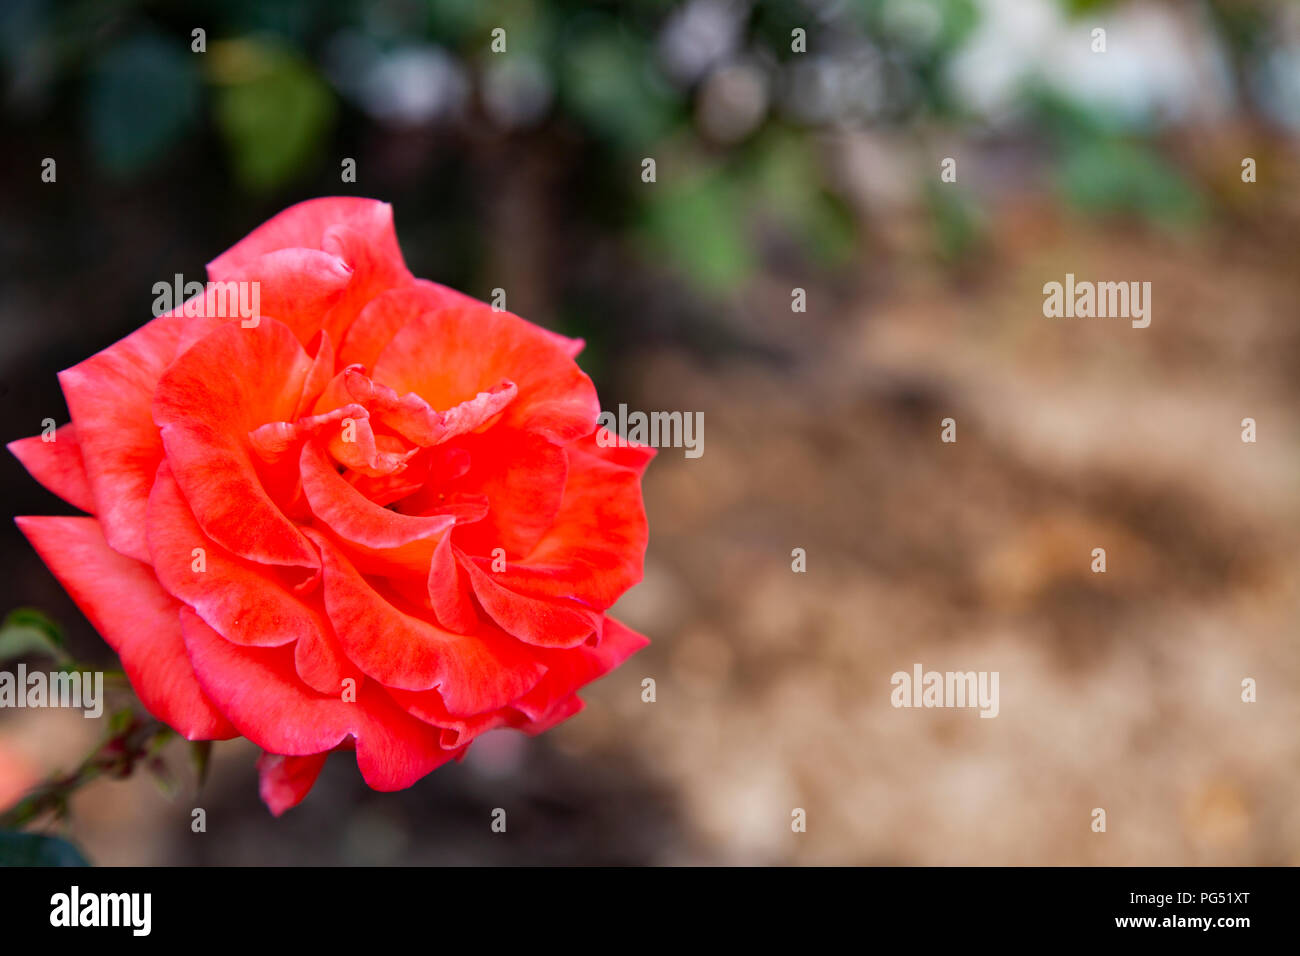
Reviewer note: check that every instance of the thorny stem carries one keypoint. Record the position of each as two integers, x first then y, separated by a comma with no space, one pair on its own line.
131,739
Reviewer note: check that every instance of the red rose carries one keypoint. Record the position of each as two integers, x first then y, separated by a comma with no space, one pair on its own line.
376,517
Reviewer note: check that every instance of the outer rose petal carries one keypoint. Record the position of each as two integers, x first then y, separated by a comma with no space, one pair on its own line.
568,671
357,231
374,270
571,347
284,781
110,396
216,393
595,549
57,465
561,712
258,688
452,354
303,226
298,287
553,700
457,731
609,446
135,616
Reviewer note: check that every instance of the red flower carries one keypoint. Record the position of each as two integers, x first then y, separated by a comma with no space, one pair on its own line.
377,519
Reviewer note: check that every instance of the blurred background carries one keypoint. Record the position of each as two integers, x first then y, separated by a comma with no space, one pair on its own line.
776,170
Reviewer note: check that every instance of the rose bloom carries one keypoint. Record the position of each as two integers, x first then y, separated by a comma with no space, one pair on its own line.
375,518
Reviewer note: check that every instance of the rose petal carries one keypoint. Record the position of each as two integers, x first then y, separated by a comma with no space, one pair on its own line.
305,225
376,268
414,419
522,475
611,447
545,622
570,670
258,688
450,355
322,665
284,781
322,370
595,549
57,465
386,313
110,396
358,232
135,616
399,541
206,404
298,287
457,731
450,591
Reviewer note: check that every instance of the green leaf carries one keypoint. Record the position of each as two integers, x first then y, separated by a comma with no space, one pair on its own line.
789,182
1112,176
272,109
201,759
142,96
35,849
698,224
120,721
608,83
27,631
957,223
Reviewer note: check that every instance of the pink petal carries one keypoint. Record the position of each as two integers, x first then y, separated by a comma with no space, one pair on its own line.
110,396
403,541
474,673
295,286
595,549
450,592
241,600
570,670
450,355
358,232
386,313
545,622
284,781
258,688
57,465
414,419
304,226
206,404
135,616
522,475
